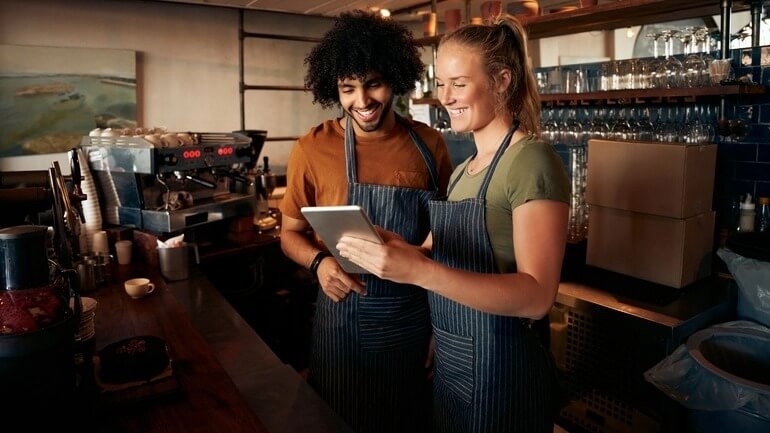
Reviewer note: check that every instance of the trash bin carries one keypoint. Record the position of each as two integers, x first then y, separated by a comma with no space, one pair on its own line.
722,375
748,258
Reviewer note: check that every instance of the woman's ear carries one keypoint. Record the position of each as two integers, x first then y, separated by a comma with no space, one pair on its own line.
503,80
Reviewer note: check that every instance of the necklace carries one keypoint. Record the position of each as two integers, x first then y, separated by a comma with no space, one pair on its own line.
477,165
480,162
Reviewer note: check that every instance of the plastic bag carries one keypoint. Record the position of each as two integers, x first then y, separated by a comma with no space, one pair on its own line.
685,380
175,242
753,279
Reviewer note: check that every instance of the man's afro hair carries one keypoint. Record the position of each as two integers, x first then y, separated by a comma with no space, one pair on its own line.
361,42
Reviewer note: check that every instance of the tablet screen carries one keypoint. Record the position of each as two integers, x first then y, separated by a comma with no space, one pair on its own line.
333,222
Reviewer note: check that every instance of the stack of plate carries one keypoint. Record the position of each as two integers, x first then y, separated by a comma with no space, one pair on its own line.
86,329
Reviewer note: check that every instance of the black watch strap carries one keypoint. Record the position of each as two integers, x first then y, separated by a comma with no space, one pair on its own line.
317,261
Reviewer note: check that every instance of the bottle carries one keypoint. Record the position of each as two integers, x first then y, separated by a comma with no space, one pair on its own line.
748,214
763,215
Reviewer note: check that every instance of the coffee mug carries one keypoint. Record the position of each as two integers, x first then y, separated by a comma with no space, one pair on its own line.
170,140
139,287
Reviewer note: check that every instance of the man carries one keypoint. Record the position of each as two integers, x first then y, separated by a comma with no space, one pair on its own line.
370,336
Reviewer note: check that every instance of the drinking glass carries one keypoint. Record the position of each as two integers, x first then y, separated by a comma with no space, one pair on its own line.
703,38
573,131
550,132
654,62
644,126
599,127
670,70
670,132
694,64
740,124
621,130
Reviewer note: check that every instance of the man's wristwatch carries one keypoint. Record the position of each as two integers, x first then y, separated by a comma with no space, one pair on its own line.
317,261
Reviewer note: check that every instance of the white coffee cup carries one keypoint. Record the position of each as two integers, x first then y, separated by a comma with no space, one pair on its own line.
185,138
123,250
139,287
170,140
154,139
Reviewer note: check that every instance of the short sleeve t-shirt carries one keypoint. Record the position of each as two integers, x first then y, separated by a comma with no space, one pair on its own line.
528,170
316,172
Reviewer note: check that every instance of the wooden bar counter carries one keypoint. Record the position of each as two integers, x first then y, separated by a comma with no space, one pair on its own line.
229,380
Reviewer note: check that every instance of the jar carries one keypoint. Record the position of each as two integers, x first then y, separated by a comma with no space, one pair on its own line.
746,220
763,215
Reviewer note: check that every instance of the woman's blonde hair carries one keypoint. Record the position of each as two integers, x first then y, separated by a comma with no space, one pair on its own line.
503,45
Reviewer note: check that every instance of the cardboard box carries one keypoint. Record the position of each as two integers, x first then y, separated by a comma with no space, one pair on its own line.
669,251
675,180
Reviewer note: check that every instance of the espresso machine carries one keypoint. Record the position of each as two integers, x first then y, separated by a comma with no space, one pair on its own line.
168,187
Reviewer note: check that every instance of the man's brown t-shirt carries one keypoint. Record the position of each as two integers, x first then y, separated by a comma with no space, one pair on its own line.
316,173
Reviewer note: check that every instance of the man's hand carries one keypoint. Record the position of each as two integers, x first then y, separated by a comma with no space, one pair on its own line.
335,282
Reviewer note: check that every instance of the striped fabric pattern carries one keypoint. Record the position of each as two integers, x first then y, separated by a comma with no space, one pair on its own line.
491,373
368,351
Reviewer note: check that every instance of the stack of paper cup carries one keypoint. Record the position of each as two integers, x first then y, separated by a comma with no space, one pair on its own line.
91,210
99,242
123,250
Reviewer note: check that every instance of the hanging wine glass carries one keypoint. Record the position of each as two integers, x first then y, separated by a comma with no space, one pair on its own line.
550,132
621,130
703,37
644,125
654,62
693,64
573,131
632,119
709,120
670,70
670,132
599,127
687,129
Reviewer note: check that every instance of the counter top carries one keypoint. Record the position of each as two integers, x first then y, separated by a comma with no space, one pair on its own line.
230,380
674,313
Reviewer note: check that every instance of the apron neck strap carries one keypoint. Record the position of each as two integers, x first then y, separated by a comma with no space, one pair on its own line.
492,165
350,151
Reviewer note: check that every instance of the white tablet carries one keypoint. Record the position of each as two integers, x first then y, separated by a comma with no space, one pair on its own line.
333,222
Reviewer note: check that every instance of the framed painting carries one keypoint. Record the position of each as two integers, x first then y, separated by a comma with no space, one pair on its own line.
50,97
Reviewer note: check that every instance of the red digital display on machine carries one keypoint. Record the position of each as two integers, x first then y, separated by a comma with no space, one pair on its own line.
224,151
190,154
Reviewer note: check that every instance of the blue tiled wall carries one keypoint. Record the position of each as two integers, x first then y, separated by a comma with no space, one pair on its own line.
744,167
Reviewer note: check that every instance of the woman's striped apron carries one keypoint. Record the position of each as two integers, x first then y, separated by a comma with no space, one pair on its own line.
491,372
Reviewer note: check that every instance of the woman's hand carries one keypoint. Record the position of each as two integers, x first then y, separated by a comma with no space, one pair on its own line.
336,283
395,260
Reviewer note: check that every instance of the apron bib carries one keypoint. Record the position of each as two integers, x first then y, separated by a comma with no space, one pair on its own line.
491,373
368,353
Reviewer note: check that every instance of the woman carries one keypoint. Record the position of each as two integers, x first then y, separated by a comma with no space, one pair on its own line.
496,243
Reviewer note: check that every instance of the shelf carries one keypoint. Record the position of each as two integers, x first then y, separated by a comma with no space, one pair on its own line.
613,15
426,101
682,93
629,96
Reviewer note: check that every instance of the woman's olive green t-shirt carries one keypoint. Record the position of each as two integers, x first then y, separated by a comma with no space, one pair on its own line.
528,170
